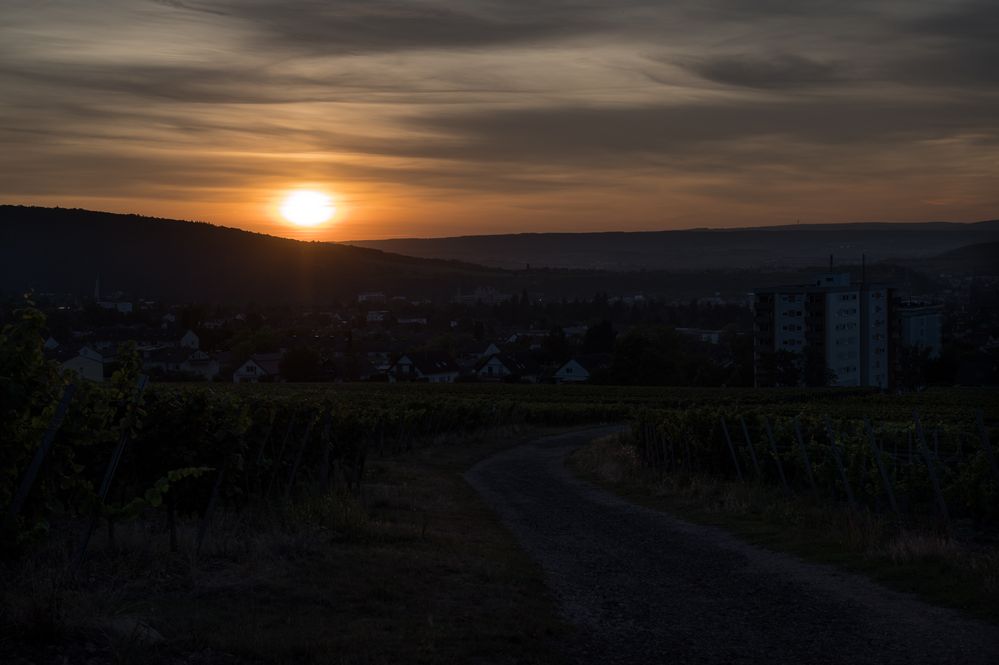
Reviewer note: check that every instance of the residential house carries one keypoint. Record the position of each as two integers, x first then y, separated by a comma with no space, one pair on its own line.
164,360
706,336
179,362
259,367
379,353
190,340
509,367
201,365
470,355
532,339
425,367
118,306
486,296
89,364
582,368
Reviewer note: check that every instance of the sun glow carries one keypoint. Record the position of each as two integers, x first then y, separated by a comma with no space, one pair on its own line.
307,208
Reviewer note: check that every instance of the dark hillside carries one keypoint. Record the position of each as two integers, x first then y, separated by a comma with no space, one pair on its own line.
982,258
64,250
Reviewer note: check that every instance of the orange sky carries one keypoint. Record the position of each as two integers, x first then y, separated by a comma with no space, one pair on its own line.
433,118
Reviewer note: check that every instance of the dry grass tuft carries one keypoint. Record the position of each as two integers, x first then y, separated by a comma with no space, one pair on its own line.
911,547
607,460
943,568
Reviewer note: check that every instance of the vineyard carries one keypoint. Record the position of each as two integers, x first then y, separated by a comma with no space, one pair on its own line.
927,461
77,452
122,451
105,453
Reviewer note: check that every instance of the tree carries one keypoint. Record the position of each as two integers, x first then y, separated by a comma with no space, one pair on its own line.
648,355
555,346
192,317
246,343
254,320
599,338
301,364
913,363
739,354
785,368
815,372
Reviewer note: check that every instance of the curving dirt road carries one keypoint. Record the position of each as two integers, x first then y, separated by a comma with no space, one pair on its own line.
643,587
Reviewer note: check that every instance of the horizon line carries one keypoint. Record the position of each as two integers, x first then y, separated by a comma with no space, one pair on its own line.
720,229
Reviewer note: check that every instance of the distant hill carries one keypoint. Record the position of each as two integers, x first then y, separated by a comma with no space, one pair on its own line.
700,249
982,258
63,250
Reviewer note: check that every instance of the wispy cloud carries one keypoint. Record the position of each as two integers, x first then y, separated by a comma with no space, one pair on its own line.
632,113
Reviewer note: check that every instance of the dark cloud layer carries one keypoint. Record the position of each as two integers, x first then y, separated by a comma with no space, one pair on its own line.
570,133
777,71
365,26
635,100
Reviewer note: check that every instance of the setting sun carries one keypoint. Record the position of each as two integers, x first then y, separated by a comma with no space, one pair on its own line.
307,208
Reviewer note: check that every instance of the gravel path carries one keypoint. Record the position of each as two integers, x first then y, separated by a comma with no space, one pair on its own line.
643,587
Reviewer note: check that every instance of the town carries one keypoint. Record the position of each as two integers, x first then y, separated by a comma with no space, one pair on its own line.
836,330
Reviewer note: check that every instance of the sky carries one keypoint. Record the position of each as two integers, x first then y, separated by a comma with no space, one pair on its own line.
428,118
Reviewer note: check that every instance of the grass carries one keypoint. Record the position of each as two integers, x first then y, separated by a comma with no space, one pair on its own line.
940,569
413,568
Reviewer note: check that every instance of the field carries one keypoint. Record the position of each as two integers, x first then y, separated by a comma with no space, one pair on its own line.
335,515
123,450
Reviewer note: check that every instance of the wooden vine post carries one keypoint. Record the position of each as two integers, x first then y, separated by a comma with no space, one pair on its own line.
112,467
934,479
731,448
259,457
885,479
986,445
280,455
804,457
838,457
217,488
325,439
298,457
776,454
752,451
42,452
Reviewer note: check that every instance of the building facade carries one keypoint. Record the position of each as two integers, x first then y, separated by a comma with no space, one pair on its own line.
830,332
919,326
